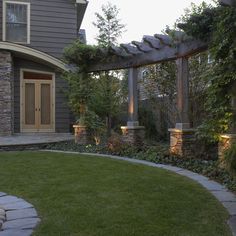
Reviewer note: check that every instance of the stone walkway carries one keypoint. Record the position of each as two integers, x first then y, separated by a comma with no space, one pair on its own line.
223,195
20,142
17,217
31,138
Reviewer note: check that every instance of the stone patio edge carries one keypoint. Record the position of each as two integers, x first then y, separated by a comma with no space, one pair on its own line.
19,218
220,192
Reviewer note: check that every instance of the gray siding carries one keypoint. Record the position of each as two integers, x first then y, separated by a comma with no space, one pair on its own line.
62,113
1,19
53,25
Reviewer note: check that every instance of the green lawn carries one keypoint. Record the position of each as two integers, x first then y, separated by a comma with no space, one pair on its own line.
88,196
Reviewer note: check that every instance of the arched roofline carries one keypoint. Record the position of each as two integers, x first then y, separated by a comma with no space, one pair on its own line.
33,53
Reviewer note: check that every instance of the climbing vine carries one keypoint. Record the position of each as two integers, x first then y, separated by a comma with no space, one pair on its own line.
217,27
82,54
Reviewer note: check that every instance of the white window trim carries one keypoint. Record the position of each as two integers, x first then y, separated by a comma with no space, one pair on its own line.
4,20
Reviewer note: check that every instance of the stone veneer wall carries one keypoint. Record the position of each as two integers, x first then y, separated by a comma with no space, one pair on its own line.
182,142
6,98
81,134
225,143
133,135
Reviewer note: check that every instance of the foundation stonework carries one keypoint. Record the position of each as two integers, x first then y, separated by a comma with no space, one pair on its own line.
81,134
182,142
6,94
226,140
134,135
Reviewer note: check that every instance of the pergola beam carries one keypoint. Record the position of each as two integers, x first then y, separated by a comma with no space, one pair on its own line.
166,53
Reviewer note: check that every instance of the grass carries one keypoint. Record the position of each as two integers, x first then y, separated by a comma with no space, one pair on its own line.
78,195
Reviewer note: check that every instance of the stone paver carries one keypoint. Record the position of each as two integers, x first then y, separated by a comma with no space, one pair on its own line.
2,194
172,168
193,176
232,224
16,232
212,185
20,217
21,214
17,205
26,223
8,199
27,139
231,207
224,196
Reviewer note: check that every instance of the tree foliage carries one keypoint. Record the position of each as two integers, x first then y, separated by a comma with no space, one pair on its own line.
217,26
107,96
95,97
109,26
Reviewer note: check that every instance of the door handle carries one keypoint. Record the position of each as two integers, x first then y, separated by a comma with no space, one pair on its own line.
36,109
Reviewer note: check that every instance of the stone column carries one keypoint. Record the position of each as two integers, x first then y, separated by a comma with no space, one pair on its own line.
226,140
6,94
182,141
81,134
133,133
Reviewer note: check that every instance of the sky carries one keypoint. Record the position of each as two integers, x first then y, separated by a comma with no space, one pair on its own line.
141,17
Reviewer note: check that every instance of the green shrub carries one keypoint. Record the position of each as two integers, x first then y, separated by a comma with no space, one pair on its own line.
230,159
115,143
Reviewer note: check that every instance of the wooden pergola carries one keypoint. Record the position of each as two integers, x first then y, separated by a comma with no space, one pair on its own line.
151,50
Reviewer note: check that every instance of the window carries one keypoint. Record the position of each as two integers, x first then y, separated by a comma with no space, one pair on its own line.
16,20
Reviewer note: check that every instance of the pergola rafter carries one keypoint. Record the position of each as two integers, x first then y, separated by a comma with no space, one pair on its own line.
151,50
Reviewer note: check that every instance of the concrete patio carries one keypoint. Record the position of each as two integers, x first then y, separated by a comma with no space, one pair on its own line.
32,140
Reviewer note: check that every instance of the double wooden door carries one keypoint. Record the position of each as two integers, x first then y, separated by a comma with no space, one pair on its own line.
37,103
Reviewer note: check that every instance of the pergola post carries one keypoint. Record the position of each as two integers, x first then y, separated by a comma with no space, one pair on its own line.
182,136
133,97
182,93
133,133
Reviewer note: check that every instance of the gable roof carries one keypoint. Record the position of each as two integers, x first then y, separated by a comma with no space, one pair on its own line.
81,8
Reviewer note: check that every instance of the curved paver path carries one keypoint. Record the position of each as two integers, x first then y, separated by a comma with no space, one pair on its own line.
17,217
224,196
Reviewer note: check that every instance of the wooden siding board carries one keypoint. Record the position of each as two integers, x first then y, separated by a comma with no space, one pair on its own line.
57,23
53,25
1,19
46,29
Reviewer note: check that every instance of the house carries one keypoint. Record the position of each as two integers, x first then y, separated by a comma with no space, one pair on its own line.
33,35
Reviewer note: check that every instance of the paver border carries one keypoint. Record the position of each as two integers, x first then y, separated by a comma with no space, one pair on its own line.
19,218
220,192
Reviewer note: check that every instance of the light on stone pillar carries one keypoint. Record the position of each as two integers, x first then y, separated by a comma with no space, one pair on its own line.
133,97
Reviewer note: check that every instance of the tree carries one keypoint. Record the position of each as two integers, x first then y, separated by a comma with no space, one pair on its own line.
109,26
107,86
